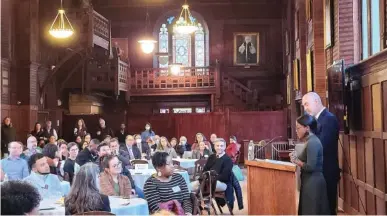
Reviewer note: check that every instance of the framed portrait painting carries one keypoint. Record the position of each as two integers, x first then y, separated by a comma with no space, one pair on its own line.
246,49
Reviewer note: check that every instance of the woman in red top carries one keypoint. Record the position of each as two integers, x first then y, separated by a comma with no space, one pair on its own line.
232,149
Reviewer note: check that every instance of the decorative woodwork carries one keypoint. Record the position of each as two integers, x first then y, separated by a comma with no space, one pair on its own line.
245,94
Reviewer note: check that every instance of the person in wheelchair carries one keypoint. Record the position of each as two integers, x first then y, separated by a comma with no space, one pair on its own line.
219,162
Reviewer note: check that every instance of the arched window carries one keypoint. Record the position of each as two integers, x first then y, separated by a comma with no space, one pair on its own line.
188,50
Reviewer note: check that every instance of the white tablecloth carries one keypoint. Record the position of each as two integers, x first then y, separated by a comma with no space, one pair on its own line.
140,177
137,206
184,163
65,187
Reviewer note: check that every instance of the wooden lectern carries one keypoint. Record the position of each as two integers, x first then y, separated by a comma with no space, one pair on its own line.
271,187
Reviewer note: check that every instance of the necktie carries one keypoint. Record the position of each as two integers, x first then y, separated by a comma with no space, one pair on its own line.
131,154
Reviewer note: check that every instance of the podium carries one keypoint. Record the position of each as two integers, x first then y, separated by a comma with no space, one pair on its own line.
271,187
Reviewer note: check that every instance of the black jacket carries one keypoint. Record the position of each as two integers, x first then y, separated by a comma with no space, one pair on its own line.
8,134
135,150
121,136
85,156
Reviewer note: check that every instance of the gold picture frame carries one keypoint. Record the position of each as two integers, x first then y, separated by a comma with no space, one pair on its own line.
309,71
296,72
288,89
245,55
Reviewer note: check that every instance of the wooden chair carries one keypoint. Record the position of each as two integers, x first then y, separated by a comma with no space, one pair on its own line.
237,157
206,191
138,161
176,164
199,165
96,213
222,195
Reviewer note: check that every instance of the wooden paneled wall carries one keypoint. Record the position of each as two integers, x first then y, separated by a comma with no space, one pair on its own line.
363,186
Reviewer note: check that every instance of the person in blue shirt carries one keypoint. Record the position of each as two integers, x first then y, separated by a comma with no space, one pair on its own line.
14,167
40,177
148,132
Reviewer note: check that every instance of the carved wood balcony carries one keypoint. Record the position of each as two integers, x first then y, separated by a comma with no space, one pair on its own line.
159,81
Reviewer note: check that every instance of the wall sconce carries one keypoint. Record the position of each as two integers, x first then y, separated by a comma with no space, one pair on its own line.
59,102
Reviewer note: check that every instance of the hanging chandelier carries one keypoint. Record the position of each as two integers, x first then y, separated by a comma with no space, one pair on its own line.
61,26
185,24
147,43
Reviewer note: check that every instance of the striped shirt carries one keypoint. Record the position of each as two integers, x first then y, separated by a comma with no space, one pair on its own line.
157,192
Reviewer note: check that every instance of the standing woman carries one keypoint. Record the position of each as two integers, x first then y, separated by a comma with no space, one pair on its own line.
38,133
165,146
148,132
84,195
80,129
313,194
8,134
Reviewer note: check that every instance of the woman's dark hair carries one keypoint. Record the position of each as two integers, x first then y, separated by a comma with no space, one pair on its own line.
71,144
84,195
150,129
77,138
106,160
83,124
33,159
233,138
37,123
7,117
307,120
49,150
18,198
159,159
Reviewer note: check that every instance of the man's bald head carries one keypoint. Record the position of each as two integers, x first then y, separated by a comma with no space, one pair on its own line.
32,143
312,103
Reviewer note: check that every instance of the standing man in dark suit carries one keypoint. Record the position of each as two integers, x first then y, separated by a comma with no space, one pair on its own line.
328,133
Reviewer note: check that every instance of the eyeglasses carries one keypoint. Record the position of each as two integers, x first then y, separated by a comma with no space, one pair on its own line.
117,165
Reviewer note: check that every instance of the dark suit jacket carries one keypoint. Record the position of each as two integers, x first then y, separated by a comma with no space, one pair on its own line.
328,133
136,152
121,136
85,156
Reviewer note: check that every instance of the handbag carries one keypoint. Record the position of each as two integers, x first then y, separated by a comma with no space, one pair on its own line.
238,173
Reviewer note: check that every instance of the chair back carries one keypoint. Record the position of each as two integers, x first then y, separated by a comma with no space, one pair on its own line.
96,213
237,156
66,176
187,155
199,165
138,161
176,163
208,183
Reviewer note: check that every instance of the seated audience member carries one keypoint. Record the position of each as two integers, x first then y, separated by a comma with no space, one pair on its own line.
103,150
70,166
213,137
133,152
63,151
202,152
52,140
107,139
32,148
219,162
14,166
103,131
182,146
122,134
122,155
173,143
52,153
232,149
200,138
112,182
142,146
84,195
19,198
164,146
78,141
152,144
41,178
166,186
88,154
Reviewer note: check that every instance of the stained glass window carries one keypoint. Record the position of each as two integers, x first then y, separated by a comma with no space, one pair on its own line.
163,45
199,47
188,50
182,49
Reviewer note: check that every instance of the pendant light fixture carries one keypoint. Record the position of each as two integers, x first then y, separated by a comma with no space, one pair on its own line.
61,26
147,43
185,24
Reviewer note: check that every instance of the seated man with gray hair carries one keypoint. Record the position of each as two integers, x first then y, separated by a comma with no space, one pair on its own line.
219,162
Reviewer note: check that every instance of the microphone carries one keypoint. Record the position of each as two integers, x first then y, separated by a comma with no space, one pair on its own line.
263,143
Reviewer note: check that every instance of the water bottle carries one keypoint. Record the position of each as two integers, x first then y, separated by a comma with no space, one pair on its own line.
250,155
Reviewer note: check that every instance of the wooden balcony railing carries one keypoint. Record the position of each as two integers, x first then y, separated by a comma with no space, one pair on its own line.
239,90
123,76
188,78
100,30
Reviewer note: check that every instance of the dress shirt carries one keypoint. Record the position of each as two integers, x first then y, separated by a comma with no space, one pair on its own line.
16,168
47,185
